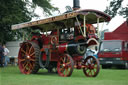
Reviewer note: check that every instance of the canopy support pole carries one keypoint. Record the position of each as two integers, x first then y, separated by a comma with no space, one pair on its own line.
84,26
98,27
79,25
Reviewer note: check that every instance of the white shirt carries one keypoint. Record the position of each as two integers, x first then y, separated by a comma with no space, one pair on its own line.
6,51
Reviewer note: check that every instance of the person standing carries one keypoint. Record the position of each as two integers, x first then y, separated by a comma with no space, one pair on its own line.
1,55
6,51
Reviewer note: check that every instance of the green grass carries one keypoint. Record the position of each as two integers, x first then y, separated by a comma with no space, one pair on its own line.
12,76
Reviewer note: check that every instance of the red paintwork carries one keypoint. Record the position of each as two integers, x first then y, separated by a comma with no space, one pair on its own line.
45,39
121,33
92,42
62,48
58,47
80,37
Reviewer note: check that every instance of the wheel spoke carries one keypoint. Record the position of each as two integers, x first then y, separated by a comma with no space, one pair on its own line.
24,63
95,66
21,60
64,59
61,59
32,59
62,69
32,54
94,71
91,60
92,66
24,66
66,71
31,66
87,68
27,48
61,64
90,72
23,51
67,63
30,50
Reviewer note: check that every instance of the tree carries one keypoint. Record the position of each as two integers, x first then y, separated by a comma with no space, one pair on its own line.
19,11
116,7
45,5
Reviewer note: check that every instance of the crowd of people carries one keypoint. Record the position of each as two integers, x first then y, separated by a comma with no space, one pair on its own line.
3,55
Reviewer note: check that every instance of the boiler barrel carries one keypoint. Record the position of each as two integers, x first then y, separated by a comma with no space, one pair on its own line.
72,48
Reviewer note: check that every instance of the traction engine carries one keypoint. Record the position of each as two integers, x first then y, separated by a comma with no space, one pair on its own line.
62,44
63,49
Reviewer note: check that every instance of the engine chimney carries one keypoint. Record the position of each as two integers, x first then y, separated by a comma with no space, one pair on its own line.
76,4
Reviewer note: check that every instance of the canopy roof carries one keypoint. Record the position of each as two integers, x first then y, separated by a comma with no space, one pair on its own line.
65,20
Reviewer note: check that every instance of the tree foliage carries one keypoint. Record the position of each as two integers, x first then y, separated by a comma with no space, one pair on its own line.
116,7
19,11
45,5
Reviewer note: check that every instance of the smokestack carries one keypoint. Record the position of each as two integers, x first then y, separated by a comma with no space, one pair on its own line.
76,4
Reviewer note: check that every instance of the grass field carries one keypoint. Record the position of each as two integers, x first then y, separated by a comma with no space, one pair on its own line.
12,76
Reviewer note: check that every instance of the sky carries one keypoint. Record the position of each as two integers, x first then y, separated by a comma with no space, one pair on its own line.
88,4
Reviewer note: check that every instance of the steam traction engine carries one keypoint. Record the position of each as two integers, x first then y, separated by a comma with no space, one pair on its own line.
62,44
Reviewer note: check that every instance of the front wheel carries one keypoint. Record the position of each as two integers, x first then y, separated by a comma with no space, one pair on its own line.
92,66
65,65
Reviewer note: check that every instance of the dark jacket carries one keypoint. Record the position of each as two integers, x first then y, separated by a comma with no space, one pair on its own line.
1,50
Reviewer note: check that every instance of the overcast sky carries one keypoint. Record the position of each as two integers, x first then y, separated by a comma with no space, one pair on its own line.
88,4
84,4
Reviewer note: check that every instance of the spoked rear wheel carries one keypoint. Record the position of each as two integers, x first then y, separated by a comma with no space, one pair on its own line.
65,65
92,66
28,58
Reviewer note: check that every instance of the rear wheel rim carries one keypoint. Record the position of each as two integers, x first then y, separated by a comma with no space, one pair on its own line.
27,58
91,66
65,65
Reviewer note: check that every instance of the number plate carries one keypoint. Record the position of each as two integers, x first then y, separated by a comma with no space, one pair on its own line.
110,62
